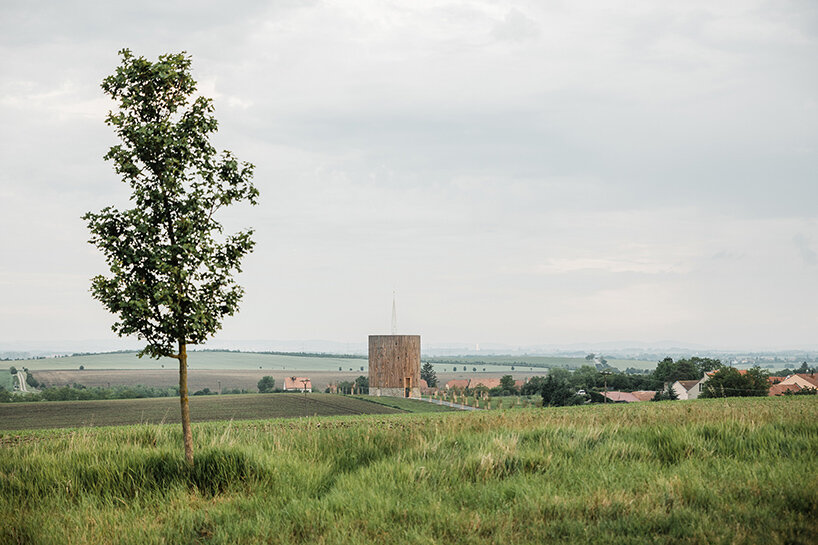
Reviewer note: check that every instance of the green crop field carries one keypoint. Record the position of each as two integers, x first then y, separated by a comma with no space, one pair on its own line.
197,360
118,412
7,380
706,471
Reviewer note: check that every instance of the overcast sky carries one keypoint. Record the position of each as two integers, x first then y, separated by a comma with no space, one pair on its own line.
524,173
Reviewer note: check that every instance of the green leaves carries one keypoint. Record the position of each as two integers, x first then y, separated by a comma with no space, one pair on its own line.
171,269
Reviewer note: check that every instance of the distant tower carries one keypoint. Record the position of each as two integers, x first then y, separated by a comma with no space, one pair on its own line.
394,362
394,316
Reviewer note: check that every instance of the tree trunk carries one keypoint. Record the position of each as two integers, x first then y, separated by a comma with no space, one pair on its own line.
183,400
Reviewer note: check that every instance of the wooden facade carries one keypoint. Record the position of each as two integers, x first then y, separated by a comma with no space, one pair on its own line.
394,365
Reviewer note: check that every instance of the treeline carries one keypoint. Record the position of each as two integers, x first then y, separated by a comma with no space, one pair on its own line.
295,354
79,392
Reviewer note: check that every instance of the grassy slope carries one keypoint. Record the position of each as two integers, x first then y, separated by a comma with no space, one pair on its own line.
710,471
7,380
63,414
408,405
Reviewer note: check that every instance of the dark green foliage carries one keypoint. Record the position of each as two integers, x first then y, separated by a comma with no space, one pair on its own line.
204,392
78,392
802,392
729,382
507,385
266,385
427,373
31,381
362,385
171,267
556,390
685,369
13,370
533,386
668,394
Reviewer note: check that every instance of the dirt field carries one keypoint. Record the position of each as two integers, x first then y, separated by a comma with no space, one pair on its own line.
122,412
230,379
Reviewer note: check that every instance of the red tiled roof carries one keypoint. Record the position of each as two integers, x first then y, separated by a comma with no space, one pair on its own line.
644,395
811,378
485,382
627,397
779,389
776,380
458,383
297,383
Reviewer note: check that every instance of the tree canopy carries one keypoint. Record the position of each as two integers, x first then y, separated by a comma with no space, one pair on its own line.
427,373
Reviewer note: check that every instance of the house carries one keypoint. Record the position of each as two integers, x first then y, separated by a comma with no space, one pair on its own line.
804,380
299,384
458,384
780,389
690,389
687,389
487,383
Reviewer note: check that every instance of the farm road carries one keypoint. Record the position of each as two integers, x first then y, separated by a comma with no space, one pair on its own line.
21,376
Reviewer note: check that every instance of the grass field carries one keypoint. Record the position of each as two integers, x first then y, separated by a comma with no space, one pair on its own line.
408,405
7,380
197,360
708,471
119,412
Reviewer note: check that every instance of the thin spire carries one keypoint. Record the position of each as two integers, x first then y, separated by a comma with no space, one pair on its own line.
394,316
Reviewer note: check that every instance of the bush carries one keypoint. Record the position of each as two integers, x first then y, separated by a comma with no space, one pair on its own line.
266,385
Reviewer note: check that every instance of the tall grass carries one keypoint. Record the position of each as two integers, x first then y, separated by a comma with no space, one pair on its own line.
716,471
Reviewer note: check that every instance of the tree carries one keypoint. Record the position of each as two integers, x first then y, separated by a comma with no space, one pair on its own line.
730,382
668,394
362,384
507,386
685,369
171,266
557,391
427,373
266,385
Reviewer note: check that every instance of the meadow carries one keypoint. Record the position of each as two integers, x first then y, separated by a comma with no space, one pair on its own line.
707,471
